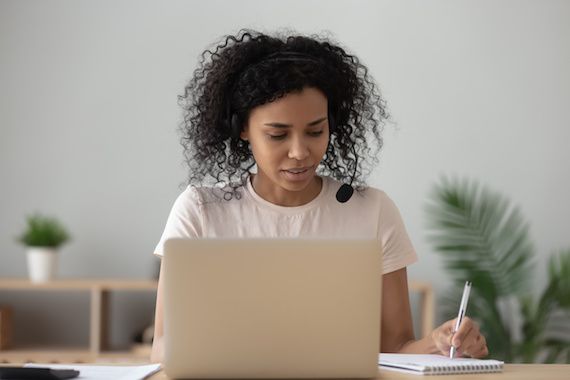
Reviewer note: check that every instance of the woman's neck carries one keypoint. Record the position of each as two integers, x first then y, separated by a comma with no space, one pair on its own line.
283,197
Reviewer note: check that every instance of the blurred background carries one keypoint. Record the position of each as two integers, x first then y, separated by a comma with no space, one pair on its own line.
89,117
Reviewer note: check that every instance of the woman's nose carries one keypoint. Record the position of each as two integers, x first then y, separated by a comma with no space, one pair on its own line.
298,149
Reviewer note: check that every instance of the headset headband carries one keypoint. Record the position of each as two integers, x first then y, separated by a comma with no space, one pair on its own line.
289,56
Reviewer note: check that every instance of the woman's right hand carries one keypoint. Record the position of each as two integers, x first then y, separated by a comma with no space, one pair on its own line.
468,340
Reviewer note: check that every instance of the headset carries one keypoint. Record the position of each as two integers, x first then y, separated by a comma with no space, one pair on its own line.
345,192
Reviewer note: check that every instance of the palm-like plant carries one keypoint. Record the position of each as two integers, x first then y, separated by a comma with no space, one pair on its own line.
482,238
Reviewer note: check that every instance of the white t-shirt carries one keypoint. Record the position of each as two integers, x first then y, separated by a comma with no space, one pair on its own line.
199,213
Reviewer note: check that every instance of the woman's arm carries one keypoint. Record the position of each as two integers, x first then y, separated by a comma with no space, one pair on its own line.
397,327
157,353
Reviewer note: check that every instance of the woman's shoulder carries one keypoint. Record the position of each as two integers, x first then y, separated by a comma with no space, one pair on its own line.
205,195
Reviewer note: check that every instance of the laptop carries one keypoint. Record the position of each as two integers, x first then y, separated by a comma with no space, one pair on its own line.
271,308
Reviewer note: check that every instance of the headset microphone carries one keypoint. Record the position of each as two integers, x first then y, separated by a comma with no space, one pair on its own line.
346,190
344,193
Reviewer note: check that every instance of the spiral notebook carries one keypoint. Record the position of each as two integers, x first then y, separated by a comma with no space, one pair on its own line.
436,364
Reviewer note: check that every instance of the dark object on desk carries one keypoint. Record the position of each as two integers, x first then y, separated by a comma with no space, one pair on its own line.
21,373
5,326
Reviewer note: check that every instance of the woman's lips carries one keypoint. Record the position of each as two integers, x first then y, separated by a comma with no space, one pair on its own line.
298,174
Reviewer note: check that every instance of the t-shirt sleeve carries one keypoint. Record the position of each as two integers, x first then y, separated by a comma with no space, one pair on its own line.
398,251
184,220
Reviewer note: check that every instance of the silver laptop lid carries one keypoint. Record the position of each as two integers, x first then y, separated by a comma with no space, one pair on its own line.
271,308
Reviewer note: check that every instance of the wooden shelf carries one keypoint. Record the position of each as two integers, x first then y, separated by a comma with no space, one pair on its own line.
72,355
99,291
78,284
46,354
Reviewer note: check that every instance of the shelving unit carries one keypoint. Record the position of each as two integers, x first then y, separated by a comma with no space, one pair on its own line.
99,291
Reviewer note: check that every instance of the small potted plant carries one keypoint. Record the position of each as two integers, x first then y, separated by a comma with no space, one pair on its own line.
43,236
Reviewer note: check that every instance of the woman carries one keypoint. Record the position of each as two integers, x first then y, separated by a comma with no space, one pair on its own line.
307,115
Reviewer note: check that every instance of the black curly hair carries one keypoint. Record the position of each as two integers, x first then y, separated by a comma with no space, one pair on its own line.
236,75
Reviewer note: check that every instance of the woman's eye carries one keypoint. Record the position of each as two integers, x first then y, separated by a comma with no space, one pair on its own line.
283,136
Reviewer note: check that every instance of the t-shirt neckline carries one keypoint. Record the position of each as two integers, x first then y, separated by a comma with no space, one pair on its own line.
288,209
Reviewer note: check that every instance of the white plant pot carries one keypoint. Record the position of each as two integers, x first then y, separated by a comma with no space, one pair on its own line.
42,264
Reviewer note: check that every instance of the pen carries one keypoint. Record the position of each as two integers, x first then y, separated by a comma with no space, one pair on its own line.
462,309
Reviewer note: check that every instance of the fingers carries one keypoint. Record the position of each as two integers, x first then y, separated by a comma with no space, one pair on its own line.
446,336
441,337
468,340
447,329
465,328
476,347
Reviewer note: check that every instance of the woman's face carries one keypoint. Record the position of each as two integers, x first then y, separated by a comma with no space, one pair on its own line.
288,138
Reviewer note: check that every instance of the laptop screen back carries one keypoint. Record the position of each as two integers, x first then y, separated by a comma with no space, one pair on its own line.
271,308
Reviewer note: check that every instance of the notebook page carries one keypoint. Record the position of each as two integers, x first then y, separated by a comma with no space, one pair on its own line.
102,372
437,364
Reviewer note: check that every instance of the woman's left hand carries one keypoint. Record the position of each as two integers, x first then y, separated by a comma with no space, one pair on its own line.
468,340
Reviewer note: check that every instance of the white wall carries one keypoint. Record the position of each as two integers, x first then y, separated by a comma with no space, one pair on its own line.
88,111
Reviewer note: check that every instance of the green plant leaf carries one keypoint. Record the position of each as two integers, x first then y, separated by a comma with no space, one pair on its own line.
556,349
559,278
42,231
480,236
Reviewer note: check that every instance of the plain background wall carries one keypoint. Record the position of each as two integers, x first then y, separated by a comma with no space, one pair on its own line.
88,118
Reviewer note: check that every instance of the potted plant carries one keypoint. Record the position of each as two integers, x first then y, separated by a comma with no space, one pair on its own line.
43,236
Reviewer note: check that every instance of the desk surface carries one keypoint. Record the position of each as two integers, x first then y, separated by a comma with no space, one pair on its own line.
510,372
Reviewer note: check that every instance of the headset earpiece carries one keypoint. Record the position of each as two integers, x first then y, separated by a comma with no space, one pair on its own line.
233,122
331,121
235,126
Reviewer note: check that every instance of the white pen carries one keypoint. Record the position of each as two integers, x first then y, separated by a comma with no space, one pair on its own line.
461,314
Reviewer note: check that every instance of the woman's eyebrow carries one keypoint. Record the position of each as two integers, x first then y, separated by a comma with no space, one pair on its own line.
283,125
